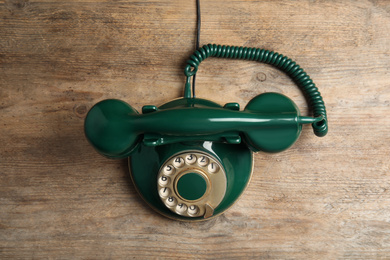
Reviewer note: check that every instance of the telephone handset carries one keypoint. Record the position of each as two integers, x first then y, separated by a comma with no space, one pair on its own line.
190,159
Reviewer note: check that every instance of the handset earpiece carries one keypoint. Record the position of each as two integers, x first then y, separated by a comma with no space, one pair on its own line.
276,137
107,128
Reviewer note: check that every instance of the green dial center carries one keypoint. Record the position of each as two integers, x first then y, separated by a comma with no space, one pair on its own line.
191,186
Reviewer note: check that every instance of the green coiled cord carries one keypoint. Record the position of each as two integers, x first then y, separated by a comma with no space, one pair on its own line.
293,70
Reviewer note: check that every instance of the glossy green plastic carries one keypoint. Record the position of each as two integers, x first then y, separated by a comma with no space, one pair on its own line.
270,122
145,163
105,128
191,186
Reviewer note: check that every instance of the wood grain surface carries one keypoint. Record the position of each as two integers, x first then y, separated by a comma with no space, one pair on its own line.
324,198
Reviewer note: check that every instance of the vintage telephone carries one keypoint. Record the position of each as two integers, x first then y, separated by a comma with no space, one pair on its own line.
190,159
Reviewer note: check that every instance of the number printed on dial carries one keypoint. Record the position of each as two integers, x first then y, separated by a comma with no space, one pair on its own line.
190,158
178,162
163,181
203,160
164,192
169,169
213,167
171,201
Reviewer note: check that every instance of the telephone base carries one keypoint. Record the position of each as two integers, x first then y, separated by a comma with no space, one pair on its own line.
222,177
145,163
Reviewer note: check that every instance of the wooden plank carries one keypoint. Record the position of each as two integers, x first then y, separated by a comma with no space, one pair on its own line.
324,198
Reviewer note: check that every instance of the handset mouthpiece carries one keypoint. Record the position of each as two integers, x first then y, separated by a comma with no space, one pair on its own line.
106,128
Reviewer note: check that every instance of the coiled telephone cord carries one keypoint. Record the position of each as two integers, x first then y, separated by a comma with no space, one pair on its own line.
293,70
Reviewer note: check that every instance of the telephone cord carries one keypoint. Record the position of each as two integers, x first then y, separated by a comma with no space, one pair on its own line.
285,64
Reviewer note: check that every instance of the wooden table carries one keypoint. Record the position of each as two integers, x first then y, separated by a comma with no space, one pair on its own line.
324,198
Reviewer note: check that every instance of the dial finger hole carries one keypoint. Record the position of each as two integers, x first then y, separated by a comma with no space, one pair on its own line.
213,167
169,169
181,208
190,158
164,192
203,160
178,162
163,180
171,201
192,210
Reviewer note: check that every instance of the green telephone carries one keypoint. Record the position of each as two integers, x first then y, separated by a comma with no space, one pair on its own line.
191,159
